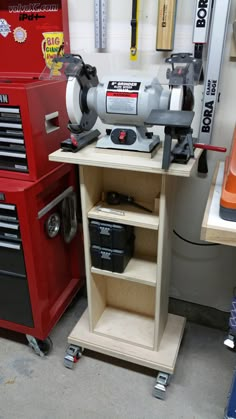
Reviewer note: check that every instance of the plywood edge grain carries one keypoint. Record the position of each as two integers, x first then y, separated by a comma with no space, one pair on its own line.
89,157
209,201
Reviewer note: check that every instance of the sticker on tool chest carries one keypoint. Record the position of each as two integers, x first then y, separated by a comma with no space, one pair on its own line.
122,97
4,28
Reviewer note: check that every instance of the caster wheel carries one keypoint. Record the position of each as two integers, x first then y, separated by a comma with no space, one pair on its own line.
40,347
45,345
162,382
72,356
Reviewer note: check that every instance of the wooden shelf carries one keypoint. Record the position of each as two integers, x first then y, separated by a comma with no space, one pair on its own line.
138,270
125,214
126,326
162,360
89,156
214,228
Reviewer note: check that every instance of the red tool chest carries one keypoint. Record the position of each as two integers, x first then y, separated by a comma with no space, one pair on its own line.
41,265
33,117
41,251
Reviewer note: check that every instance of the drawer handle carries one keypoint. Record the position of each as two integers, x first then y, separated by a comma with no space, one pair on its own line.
9,125
10,110
8,207
54,202
52,122
18,155
10,245
11,140
12,226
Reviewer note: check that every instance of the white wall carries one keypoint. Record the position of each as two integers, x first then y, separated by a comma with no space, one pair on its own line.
204,275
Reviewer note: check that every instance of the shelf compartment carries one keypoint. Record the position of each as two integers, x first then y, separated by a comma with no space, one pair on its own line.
145,188
124,214
138,270
123,310
142,267
126,326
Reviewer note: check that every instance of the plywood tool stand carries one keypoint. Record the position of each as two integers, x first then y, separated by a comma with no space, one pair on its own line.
127,315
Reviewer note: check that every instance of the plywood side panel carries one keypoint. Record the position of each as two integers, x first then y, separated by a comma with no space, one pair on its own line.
90,184
98,293
164,256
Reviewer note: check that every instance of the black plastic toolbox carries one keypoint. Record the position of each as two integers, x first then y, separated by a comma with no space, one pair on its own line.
113,260
110,235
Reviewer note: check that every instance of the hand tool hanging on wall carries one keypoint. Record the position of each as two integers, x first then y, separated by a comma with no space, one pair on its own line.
134,30
219,22
100,22
166,25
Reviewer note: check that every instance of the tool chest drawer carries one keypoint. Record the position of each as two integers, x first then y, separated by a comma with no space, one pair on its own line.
8,212
12,144
12,257
15,305
9,224
9,230
11,248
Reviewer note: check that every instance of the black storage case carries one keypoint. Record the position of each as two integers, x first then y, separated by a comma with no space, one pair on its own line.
110,235
112,259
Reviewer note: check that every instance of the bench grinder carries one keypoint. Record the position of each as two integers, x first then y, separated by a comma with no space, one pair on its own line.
131,105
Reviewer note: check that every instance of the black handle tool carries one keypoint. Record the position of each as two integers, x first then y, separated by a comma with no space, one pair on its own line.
115,198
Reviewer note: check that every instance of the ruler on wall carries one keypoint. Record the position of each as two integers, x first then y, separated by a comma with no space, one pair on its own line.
100,23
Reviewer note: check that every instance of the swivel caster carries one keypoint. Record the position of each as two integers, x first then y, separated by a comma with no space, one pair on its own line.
230,342
73,354
40,347
163,380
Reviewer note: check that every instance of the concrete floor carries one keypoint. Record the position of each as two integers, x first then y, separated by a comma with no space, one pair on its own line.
105,388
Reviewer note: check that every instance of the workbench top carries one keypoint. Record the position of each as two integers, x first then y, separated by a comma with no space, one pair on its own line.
117,159
214,228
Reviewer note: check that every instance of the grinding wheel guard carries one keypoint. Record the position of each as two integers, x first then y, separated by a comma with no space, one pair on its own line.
80,78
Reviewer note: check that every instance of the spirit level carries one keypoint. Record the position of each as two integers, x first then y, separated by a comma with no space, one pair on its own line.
220,15
202,21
